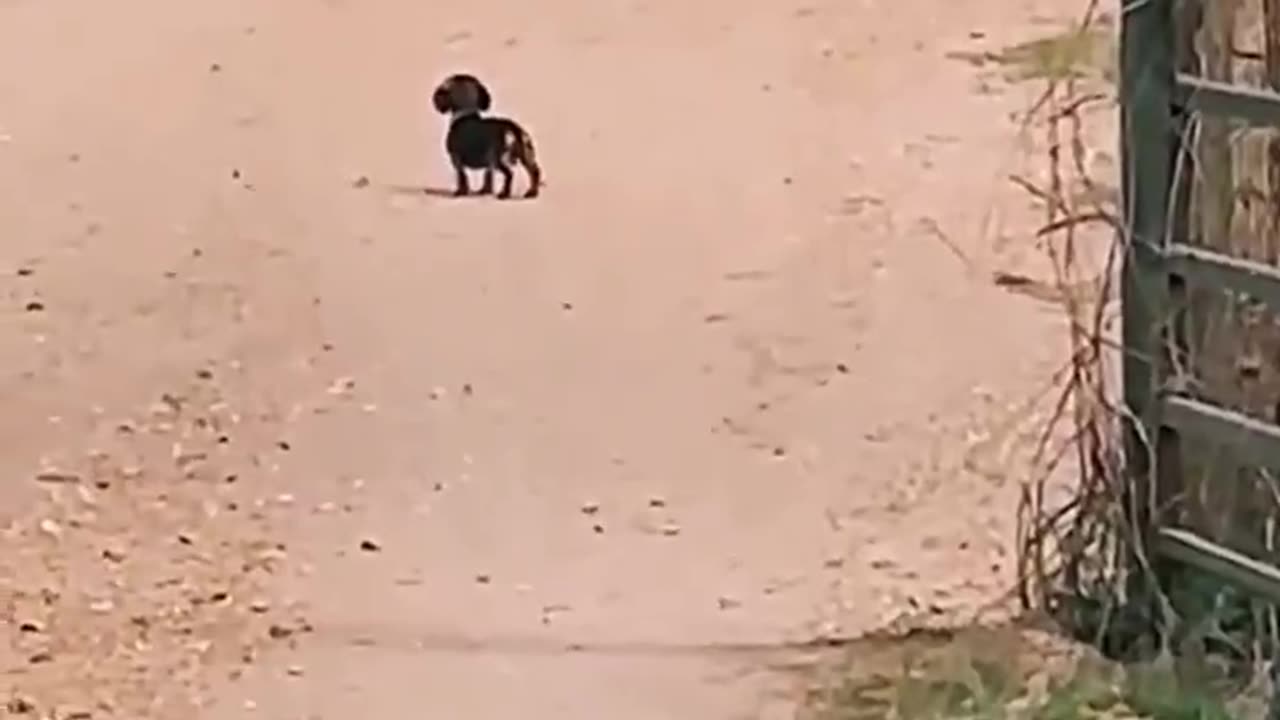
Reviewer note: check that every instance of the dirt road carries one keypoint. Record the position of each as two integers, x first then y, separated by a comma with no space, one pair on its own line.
738,379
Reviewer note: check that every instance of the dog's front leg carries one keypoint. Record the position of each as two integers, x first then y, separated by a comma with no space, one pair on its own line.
487,187
460,179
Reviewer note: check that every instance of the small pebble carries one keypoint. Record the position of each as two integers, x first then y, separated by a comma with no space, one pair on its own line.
114,555
370,546
341,386
727,603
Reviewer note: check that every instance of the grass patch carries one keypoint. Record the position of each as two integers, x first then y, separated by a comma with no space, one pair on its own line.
1074,53
1010,674
1091,52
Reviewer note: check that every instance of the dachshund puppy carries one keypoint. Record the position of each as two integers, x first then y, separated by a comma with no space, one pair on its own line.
475,142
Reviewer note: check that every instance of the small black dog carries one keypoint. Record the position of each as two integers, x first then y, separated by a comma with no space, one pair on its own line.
476,142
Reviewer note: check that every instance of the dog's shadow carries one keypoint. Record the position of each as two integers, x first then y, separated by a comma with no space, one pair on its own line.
427,190
441,192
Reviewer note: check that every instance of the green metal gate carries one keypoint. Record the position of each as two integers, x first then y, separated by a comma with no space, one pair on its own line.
1158,99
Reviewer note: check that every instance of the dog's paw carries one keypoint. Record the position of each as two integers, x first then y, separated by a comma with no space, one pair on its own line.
460,192
530,194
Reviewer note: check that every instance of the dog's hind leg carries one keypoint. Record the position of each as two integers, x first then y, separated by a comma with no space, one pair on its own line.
507,177
528,159
535,177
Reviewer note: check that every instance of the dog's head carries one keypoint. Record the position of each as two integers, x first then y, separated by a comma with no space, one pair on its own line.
461,93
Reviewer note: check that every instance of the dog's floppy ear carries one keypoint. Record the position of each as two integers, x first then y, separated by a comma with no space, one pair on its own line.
483,100
442,98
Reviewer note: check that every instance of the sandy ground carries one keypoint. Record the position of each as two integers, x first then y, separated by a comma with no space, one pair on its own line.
321,448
